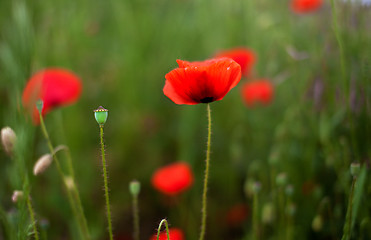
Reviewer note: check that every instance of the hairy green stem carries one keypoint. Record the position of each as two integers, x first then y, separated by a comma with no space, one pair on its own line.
72,192
347,232
105,178
136,217
32,216
163,221
204,195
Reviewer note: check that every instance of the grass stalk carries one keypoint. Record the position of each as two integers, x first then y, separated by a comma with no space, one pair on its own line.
32,216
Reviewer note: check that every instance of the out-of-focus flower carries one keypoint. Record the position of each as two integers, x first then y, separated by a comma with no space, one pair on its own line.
243,56
42,164
305,6
173,178
174,233
201,82
16,196
257,91
8,139
55,87
237,214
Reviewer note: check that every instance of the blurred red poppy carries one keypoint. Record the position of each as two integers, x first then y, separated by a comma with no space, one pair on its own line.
236,215
257,91
201,82
55,87
243,56
174,233
173,178
305,6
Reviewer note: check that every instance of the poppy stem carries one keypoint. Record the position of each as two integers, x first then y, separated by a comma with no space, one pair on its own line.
348,220
204,195
32,216
105,178
159,229
72,192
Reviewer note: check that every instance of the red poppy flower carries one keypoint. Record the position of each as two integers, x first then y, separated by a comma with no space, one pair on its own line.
174,233
243,56
237,214
257,91
201,82
173,178
305,6
56,87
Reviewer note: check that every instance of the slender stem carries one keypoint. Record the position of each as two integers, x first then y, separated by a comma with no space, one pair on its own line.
72,193
136,216
256,216
340,42
32,216
167,229
204,195
348,221
108,208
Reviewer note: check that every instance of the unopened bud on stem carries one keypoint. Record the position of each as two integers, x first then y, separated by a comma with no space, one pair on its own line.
134,187
16,196
101,115
8,139
42,164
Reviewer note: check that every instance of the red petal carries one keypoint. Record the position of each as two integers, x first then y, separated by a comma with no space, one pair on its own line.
193,82
174,233
304,6
56,87
173,179
257,91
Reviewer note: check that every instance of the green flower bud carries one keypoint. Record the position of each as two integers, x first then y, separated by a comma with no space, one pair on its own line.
281,179
134,187
101,115
355,168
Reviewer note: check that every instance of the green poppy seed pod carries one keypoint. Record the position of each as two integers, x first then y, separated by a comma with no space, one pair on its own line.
291,209
8,139
101,115
355,168
281,179
40,105
289,190
134,187
256,187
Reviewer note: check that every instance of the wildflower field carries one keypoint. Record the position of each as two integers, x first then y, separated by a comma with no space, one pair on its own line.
185,119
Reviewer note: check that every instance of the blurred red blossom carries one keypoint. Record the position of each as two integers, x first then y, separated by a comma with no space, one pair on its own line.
237,214
174,233
201,82
257,91
305,6
55,87
173,178
243,56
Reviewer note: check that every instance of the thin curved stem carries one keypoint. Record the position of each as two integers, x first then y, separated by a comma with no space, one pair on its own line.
206,177
105,178
32,216
167,229
72,193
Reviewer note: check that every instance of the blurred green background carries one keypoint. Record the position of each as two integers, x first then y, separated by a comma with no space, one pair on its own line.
316,126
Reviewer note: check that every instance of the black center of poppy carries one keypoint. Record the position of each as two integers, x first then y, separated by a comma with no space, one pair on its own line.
207,99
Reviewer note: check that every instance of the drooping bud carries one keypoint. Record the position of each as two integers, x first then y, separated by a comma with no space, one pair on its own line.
101,115
42,164
8,139
16,196
134,187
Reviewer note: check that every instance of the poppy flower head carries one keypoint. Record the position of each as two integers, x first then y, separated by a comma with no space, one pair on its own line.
174,233
55,87
173,178
243,56
201,82
257,91
305,6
